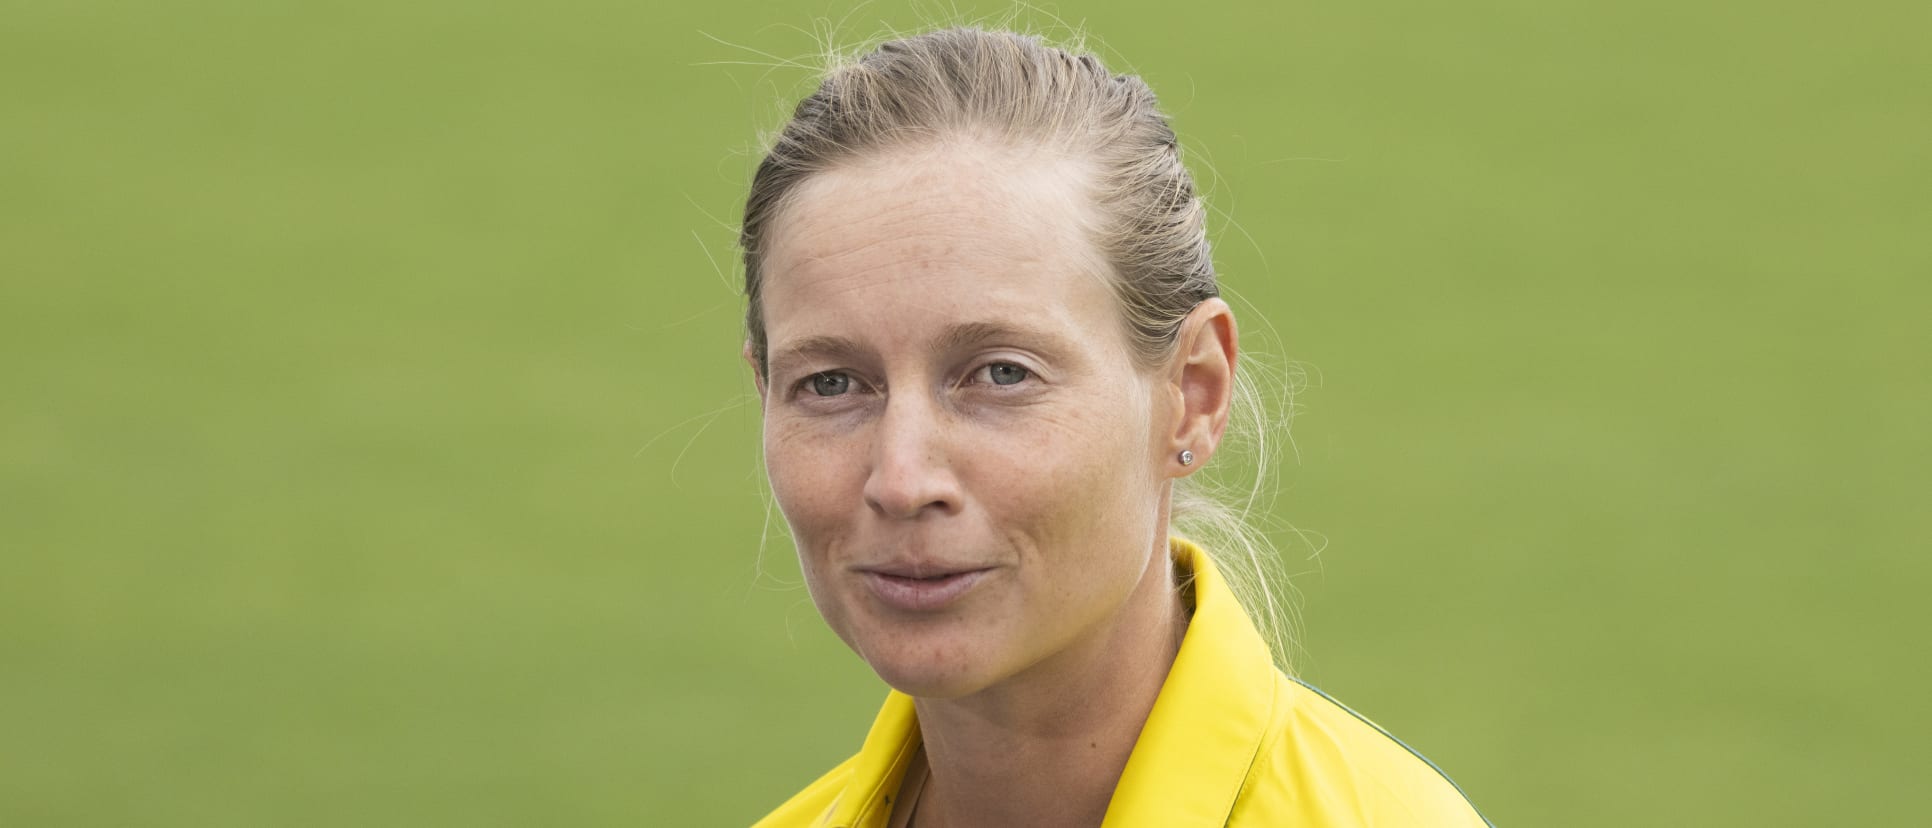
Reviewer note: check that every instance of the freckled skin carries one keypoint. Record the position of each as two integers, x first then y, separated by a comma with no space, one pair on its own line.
1056,481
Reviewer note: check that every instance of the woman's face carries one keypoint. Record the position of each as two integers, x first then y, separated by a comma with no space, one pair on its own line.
966,451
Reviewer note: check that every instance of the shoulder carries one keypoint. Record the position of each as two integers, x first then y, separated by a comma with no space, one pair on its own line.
1328,765
813,805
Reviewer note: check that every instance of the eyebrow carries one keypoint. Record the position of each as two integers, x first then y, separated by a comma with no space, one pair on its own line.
811,346
953,338
967,334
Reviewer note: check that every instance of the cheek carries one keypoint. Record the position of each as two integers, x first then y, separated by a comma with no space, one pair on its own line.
813,490
812,479
1079,486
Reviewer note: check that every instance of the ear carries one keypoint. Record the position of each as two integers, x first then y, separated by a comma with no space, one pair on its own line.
757,370
1202,383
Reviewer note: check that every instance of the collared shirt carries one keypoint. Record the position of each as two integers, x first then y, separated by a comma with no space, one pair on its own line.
1231,741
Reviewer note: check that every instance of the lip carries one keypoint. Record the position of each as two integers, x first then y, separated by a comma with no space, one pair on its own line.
897,587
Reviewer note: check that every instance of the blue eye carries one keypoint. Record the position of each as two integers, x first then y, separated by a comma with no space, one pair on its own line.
1006,373
830,384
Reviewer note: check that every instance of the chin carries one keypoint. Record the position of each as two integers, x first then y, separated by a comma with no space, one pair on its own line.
928,666
927,682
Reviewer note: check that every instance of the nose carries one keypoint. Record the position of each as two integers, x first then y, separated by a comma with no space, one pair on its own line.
911,476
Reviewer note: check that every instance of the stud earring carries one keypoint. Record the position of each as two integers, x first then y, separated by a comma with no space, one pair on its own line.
1187,457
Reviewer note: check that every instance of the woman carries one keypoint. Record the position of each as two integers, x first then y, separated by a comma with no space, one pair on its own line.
985,329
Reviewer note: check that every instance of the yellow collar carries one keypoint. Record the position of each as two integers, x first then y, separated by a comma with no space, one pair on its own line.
1194,752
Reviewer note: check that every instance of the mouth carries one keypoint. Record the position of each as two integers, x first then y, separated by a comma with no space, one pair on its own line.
910,591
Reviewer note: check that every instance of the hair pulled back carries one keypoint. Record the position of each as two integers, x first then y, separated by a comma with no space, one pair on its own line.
1017,91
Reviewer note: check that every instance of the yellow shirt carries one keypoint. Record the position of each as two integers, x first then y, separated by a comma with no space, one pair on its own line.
1231,741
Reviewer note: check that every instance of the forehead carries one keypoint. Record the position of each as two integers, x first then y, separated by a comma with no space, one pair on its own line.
936,235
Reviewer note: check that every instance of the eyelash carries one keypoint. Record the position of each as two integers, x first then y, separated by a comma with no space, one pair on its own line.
987,369
804,386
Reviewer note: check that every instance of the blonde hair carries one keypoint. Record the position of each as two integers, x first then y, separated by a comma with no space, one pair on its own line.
1016,89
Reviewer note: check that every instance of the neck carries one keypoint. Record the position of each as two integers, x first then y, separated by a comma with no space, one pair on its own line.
1047,746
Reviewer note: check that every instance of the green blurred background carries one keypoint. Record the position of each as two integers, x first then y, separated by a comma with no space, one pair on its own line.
374,448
